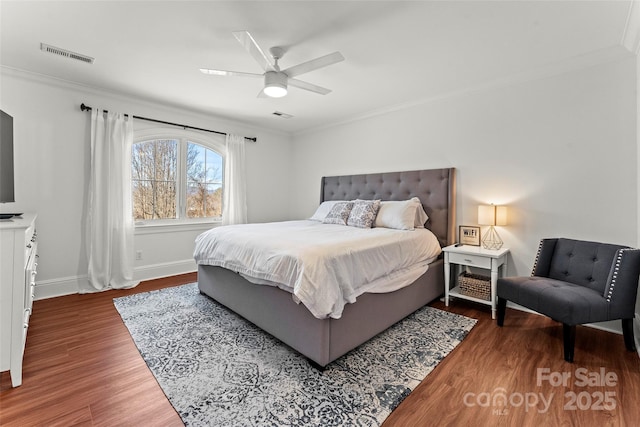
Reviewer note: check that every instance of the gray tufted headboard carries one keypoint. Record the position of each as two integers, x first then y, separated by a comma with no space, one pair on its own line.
434,187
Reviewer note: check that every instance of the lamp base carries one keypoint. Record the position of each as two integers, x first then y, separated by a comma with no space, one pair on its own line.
491,240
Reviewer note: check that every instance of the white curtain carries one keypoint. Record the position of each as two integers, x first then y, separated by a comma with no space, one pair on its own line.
110,223
235,201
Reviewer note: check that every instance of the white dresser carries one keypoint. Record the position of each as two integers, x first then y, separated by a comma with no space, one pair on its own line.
18,263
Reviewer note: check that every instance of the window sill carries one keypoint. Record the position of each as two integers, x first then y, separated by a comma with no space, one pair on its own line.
174,225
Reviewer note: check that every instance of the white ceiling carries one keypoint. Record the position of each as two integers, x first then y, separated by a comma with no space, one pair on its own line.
397,53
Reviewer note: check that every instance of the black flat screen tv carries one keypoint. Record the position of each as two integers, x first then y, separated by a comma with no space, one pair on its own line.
7,193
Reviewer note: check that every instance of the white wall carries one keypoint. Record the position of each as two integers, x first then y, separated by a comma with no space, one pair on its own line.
560,151
51,160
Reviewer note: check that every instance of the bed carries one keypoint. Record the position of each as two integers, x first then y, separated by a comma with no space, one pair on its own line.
324,340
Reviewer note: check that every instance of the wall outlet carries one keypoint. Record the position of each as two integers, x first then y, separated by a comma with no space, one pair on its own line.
138,255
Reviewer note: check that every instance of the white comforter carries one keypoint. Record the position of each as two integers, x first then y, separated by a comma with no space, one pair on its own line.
324,266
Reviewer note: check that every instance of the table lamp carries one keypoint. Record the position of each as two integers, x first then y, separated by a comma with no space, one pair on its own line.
492,215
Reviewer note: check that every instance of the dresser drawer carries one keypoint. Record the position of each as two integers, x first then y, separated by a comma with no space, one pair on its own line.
30,234
469,259
30,275
30,242
25,326
30,292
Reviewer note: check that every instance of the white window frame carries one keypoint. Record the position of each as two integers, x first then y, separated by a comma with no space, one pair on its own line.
211,141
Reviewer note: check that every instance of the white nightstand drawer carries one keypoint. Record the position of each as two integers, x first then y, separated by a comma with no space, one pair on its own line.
471,260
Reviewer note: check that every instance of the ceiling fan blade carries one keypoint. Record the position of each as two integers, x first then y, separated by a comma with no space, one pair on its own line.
228,73
250,45
308,86
314,64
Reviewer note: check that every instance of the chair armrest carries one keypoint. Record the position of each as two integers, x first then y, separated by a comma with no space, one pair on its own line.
622,284
542,264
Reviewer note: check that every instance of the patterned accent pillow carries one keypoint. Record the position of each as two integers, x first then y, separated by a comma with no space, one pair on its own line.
323,210
363,213
339,213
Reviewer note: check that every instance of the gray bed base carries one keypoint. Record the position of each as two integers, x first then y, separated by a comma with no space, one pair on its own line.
325,340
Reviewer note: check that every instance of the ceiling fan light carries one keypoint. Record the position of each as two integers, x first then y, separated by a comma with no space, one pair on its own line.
275,84
275,91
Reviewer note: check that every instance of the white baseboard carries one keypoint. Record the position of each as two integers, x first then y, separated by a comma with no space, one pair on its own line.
157,271
69,285
58,287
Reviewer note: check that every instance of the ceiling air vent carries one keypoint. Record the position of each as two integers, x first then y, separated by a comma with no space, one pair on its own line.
66,53
281,114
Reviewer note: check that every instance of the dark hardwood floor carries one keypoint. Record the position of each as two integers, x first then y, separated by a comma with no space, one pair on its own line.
81,367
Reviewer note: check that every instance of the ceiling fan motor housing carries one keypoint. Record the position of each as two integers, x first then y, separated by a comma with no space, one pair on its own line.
275,83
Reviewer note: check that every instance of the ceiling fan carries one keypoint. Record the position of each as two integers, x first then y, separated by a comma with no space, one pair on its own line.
276,80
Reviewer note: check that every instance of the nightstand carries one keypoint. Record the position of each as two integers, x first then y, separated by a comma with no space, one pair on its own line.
478,257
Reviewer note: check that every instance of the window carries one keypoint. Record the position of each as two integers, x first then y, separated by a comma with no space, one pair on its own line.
153,179
204,182
176,178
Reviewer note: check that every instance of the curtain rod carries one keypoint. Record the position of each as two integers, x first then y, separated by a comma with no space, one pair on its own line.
84,107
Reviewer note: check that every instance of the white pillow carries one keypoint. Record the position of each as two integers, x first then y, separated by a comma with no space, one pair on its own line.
421,215
323,210
399,215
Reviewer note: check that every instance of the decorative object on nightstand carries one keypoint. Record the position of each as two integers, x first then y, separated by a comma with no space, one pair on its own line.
492,215
468,235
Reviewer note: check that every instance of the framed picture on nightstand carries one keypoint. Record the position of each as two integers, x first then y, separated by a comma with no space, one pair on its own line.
469,235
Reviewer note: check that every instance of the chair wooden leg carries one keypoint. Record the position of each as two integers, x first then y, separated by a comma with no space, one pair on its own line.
569,338
502,308
627,332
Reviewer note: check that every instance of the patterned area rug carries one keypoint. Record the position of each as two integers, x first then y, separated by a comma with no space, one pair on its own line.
218,369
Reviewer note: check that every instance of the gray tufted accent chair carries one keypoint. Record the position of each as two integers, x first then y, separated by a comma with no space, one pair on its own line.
576,282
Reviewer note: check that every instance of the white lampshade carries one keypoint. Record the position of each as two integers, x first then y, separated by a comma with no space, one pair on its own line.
492,215
501,215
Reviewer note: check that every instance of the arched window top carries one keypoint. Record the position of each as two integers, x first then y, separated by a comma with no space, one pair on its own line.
177,175
213,141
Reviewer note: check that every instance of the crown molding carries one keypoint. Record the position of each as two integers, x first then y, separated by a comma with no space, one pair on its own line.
226,123
631,34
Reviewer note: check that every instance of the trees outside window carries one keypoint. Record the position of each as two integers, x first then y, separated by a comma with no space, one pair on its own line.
153,175
175,178
204,182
